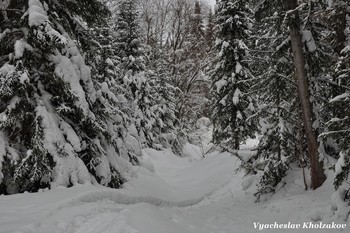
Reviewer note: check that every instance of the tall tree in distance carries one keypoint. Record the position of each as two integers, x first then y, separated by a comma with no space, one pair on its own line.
230,75
127,28
152,95
191,81
209,31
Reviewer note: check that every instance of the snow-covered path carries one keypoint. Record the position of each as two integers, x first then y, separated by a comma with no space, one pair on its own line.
167,194
155,200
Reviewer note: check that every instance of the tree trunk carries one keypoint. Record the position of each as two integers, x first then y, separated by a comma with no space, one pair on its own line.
300,140
237,142
235,133
317,173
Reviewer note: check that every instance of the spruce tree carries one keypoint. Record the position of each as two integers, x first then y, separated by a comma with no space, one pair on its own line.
276,77
151,94
275,89
128,38
339,124
232,104
209,31
51,132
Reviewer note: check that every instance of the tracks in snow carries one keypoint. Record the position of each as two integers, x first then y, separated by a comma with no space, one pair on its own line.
176,183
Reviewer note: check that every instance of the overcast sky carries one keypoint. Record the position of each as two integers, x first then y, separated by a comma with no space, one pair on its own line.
211,2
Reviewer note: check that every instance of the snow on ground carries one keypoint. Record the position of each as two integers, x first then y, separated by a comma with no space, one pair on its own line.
169,194
171,182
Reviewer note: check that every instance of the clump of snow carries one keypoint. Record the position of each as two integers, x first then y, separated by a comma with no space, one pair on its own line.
24,78
340,97
225,44
309,40
3,34
340,163
122,149
103,171
20,47
7,69
37,14
223,100
238,68
4,4
330,3
82,70
104,87
239,115
133,145
220,84
203,122
69,73
121,98
71,136
236,95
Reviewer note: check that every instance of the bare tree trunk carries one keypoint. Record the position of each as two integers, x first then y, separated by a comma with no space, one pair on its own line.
317,173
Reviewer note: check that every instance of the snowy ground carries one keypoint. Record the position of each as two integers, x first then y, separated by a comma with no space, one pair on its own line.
168,195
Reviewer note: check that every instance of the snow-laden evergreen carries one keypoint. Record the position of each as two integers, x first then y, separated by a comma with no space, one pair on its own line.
152,94
51,130
339,125
232,103
281,138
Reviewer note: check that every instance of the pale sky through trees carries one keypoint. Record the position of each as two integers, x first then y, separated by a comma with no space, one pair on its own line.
211,2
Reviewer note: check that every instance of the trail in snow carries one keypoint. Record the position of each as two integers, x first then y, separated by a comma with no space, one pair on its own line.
167,194
168,182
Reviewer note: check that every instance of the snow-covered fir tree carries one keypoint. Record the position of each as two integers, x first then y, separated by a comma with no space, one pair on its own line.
209,30
317,35
232,104
51,131
116,100
128,38
339,124
278,113
152,95
283,141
